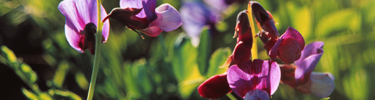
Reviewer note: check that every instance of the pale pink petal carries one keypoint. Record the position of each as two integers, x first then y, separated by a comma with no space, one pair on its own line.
105,30
69,10
310,57
168,18
322,84
72,36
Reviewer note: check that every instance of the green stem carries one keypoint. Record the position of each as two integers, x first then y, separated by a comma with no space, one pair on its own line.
95,67
230,96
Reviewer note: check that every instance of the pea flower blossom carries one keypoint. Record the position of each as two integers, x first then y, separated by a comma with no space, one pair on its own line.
300,75
143,15
81,23
195,16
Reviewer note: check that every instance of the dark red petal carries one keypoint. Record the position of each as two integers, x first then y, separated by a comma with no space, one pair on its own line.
241,53
243,29
214,87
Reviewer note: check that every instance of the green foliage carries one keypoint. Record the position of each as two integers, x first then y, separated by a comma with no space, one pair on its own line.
169,66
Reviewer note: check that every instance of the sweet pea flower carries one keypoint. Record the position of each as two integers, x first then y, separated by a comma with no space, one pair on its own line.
81,23
195,16
301,75
288,47
254,80
143,15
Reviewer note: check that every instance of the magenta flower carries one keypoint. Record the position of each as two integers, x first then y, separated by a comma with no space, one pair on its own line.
301,77
214,87
81,23
258,79
195,16
144,16
288,47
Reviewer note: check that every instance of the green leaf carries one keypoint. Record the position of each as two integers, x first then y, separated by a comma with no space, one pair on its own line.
29,94
187,86
8,54
183,57
67,94
204,49
59,77
82,81
218,58
29,73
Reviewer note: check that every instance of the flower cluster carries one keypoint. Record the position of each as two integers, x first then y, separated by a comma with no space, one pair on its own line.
81,20
258,79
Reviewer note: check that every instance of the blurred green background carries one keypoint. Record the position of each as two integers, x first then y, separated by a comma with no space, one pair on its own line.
44,66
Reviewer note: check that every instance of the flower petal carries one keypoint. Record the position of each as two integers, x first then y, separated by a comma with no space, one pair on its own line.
149,8
73,23
269,75
241,53
214,87
322,84
134,4
264,75
310,57
219,5
194,17
152,31
288,47
257,94
105,30
239,80
168,18
69,10
72,36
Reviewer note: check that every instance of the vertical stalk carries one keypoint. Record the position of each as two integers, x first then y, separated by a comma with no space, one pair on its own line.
98,41
254,49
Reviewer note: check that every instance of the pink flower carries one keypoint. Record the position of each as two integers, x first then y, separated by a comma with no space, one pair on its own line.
144,16
81,23
301,75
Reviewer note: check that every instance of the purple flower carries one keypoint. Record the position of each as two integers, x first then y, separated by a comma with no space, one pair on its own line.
144,16
252,78
195,16
288,47
81,22
302,77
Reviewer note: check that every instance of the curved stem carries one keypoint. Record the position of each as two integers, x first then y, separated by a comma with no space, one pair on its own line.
95,67
254,49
